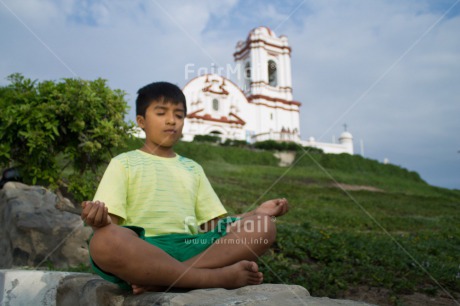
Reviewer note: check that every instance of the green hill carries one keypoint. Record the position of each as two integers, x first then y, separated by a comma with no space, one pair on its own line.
385,228
353,221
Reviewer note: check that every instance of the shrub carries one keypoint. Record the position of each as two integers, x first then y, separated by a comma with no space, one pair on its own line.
235,143
48,126
207,138
312,150
278,146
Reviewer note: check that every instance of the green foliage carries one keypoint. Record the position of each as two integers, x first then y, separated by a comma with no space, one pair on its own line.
83,185
235,143
312,150
43,123
275,145
272,145
328,262
207,138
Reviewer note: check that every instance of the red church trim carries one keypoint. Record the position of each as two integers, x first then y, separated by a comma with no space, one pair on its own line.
253,97
266,83
195,112
237,117
223,119
208,88
249,45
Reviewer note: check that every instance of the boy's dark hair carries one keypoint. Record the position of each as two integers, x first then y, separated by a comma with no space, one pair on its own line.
159,91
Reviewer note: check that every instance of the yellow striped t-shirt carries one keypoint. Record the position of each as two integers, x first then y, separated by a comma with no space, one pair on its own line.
162,195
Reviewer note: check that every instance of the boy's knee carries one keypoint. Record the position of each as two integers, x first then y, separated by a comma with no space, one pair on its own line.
106,246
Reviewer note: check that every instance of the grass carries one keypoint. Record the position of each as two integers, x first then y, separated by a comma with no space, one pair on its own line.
400,239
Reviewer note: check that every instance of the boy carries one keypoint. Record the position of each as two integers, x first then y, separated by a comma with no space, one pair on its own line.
163,200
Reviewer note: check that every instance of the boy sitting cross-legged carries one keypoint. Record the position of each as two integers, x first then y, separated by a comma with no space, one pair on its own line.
156,217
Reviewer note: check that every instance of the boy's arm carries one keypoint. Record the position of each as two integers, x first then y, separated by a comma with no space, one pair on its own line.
96,215
115,219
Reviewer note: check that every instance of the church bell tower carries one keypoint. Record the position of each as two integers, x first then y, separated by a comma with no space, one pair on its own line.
263,64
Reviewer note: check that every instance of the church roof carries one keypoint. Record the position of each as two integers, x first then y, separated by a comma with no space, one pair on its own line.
262,30
261,35
346,135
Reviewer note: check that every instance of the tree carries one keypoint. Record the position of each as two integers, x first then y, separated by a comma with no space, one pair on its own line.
51,126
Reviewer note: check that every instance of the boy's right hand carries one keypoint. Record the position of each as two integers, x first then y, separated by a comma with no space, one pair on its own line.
95,214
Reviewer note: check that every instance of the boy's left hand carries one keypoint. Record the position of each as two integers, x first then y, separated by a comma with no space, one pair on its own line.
275,207
95,214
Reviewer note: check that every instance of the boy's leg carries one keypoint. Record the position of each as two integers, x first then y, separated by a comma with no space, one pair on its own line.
247,239
120,251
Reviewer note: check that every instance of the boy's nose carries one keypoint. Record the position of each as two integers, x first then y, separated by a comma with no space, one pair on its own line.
170,120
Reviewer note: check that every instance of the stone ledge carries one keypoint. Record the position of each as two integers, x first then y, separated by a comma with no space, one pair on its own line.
24,287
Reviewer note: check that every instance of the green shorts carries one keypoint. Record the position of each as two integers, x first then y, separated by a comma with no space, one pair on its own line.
178,246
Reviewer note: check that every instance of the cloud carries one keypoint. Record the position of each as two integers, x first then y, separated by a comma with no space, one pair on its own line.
92,13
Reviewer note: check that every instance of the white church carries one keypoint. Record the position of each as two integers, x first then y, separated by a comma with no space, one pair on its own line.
259,105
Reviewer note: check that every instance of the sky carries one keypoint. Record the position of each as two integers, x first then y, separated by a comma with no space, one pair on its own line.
389,70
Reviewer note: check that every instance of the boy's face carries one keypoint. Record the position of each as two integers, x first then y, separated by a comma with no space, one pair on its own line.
163,123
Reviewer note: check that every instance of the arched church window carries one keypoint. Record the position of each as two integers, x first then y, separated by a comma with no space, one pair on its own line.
272,77
247,70
247,75
215,104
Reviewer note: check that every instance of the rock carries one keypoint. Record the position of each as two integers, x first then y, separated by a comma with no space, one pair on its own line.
33,232
21,287
89,289
286,158
265,294
65,288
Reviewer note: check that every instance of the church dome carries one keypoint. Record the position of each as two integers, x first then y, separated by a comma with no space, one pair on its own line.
345,137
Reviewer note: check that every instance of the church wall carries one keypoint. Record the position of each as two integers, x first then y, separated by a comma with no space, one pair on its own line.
205,119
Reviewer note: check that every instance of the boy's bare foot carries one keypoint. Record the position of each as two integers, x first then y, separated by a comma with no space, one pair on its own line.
280,201
238,275
274,208
137,289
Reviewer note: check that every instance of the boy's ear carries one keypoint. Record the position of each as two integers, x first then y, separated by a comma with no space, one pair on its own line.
140,121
